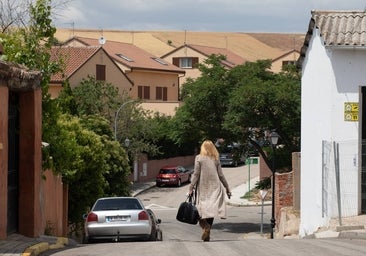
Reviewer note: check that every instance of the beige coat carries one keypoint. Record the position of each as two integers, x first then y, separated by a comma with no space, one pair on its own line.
211,187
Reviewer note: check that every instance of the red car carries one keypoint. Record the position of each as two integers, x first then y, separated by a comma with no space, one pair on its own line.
173,175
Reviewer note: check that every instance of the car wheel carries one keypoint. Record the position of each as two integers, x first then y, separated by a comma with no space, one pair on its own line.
158,184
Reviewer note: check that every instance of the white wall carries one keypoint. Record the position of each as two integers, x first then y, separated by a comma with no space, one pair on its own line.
331,76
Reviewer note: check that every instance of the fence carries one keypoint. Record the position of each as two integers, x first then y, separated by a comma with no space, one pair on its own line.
340,179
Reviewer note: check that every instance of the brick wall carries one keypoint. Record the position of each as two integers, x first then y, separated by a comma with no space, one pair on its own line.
283,191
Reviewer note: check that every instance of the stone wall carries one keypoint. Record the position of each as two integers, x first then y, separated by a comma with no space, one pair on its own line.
148,169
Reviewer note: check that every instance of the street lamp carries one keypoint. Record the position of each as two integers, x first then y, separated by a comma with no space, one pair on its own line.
116,117
127,142
274,140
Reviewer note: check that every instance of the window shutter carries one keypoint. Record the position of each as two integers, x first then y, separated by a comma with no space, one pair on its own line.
165,93
146,92
100,73
195,62
139,92
176,61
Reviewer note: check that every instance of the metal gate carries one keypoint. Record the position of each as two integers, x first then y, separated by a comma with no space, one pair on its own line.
13,163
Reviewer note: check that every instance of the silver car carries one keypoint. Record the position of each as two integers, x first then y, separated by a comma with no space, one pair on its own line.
118,218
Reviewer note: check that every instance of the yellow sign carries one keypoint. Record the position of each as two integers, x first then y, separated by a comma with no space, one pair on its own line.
351,111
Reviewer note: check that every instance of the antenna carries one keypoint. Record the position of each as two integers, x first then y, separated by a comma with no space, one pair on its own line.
102,40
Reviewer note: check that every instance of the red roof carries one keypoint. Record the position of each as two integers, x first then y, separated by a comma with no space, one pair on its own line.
231,61
73,58
131,56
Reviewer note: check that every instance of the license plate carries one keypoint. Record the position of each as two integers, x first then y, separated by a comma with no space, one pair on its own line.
165,180
117,218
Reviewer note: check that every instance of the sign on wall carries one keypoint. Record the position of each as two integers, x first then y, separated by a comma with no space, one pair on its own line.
351,111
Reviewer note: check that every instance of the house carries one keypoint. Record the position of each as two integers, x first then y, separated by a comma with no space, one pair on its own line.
81,62
188,56
333,130
288,58
156,82
29,204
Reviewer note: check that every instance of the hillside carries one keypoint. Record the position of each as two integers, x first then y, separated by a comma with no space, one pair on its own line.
250,46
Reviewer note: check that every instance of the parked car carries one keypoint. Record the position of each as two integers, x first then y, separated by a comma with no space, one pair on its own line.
117,218
173,175
156,232
231,155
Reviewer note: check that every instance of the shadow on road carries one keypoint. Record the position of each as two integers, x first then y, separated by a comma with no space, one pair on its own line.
241,228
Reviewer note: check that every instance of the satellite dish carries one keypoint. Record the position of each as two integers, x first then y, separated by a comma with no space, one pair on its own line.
102,40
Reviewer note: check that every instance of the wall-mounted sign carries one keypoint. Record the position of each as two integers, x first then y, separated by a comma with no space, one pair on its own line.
351,111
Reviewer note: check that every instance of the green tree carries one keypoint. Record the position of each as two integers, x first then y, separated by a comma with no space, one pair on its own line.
30,45
92,97
205,102
82,149
264,101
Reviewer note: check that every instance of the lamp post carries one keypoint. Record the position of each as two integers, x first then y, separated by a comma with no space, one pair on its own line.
127,142
116,117
274,140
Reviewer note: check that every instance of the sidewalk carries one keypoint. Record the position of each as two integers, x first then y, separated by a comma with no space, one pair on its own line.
15,244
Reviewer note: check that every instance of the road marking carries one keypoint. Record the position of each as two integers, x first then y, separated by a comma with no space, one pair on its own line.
159,207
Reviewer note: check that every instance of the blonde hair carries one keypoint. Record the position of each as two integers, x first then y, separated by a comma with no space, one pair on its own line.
209,149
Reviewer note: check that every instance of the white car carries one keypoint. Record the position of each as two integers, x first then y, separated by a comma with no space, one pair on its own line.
117,218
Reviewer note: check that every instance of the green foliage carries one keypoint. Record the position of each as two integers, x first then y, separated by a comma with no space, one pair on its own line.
30,46
81,143
161,127
205,101
266,101
246,101
263,184
92,96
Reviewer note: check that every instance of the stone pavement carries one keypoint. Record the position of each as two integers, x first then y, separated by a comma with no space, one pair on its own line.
15,244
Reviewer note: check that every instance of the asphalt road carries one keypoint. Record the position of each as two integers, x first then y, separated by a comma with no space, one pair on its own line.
231,236
259,247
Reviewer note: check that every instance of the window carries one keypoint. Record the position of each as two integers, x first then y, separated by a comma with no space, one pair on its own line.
143,92
288,62
100,73
160,61
162,93
186,62
124,57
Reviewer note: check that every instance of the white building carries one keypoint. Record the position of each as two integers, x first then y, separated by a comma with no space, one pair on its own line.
333,60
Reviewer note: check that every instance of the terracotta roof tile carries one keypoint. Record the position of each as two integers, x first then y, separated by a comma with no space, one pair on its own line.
134,57
341,27
231,61
337,29
73,58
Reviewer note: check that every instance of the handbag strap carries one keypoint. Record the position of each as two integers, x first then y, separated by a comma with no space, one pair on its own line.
193,197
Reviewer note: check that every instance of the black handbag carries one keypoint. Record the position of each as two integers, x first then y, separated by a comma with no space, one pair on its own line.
187,212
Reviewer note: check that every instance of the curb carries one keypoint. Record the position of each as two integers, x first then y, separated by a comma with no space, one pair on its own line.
41,247
248,204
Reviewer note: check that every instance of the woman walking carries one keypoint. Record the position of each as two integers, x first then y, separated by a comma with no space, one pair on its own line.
210,183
